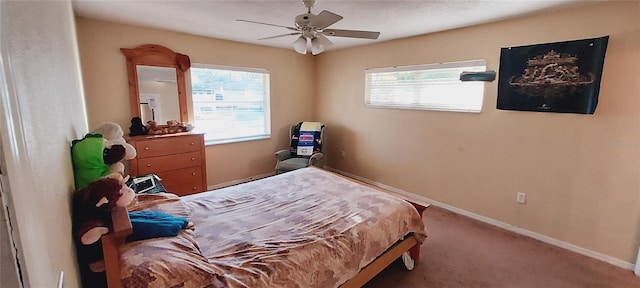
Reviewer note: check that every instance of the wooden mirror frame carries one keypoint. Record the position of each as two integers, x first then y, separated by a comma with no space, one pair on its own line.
156,55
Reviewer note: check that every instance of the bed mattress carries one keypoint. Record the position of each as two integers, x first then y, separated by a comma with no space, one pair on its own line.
305,228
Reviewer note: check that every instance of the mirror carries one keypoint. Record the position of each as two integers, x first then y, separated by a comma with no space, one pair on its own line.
156,83
158,92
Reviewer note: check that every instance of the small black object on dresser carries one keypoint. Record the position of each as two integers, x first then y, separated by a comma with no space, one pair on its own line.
137,127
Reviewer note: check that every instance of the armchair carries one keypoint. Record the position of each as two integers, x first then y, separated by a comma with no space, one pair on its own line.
288,159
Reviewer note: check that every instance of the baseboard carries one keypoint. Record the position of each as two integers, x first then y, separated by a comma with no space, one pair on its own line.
239,181
546,239
403,194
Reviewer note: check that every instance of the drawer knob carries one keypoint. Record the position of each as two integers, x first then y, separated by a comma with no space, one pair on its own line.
193,173
148,164
146,148
193,158
194,187
192,143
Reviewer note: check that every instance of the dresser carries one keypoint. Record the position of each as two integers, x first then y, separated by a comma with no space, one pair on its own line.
178,159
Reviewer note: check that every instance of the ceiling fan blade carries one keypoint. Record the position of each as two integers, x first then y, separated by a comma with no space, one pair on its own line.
351,33
324,19
256,22
283,35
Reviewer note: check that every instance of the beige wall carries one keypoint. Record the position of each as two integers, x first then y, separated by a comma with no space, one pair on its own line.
43,111
580,172
107,94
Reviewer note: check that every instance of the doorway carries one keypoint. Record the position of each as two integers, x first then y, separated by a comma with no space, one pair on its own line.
8,260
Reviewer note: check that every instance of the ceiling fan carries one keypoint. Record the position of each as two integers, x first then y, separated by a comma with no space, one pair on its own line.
312,29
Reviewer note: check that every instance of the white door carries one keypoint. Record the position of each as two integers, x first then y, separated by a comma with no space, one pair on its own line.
8,265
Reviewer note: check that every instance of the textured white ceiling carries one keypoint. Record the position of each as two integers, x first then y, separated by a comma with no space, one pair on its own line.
394,19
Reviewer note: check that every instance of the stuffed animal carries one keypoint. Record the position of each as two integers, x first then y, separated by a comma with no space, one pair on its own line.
100,153
174,126
114,136
92,208
137,128
153,128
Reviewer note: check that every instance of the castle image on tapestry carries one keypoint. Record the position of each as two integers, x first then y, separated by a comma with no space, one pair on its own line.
554,77
551,75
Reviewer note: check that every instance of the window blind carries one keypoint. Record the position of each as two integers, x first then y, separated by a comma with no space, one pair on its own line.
425,87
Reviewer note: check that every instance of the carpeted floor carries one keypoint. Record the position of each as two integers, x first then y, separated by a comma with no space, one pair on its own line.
462,252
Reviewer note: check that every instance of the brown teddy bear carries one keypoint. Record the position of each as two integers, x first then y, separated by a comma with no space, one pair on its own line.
154,128
174,126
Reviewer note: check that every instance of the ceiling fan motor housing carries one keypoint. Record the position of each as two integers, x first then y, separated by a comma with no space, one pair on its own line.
303,20
312,29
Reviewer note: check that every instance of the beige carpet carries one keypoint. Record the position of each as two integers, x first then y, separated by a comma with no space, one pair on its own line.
462,252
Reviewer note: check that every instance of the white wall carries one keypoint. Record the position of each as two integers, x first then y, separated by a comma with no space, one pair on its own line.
43,111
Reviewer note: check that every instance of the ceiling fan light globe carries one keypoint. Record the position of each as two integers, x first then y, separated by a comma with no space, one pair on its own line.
316,46
300,45
315,51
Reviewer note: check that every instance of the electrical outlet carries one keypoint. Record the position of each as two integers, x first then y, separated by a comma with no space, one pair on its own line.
342,154
521,197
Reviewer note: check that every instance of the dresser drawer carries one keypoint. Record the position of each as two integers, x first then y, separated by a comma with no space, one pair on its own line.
169,145
179,159
183,181
169,162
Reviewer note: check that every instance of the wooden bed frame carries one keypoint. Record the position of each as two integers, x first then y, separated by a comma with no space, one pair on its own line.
122,228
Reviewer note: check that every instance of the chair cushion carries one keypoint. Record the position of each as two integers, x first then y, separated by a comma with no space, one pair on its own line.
293,164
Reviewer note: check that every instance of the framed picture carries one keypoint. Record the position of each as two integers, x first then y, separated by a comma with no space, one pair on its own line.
559,77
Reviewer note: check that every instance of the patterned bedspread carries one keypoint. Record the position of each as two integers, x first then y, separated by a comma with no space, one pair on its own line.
306,228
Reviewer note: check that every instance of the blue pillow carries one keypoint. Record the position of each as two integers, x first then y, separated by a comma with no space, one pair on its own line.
154,224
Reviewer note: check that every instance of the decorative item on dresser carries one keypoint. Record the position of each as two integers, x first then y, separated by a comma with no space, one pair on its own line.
178,159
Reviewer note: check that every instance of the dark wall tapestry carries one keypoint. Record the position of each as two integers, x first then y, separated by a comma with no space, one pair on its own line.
552,77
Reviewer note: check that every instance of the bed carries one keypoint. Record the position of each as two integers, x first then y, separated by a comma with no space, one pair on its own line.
305,228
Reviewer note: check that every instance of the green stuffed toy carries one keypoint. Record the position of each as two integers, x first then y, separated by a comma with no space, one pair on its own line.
99,153
88,163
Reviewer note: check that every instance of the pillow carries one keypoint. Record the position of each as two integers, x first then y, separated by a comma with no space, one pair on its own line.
154,224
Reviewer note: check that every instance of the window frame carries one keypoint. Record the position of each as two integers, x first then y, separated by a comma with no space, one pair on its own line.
469,65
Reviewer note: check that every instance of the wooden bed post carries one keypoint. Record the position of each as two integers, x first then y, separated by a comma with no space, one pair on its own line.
110,242
111,262
415,250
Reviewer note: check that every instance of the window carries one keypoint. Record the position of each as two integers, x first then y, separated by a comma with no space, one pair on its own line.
426,87
230,104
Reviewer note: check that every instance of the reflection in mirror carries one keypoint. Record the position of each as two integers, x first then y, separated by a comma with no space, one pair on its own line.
158,93
146,114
